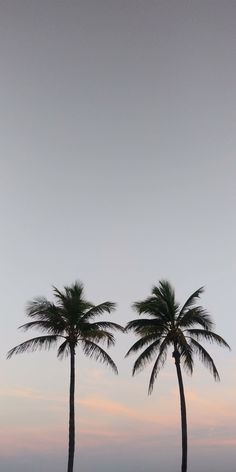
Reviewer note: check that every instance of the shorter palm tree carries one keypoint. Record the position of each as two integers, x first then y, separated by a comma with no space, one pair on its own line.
170,325
71,321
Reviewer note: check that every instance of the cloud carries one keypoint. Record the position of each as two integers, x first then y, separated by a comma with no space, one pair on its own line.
108,406
102,421
21,393
209,408
29,394
123,411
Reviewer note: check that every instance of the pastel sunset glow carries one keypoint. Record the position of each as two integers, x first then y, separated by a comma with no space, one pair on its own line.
118,167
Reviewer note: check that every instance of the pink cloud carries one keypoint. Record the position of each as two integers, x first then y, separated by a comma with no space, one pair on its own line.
114,408
29,394
117,409
207,409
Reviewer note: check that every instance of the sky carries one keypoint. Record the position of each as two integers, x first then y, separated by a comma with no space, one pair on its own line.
117,165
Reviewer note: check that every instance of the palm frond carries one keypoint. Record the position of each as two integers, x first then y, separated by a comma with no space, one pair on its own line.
164,291
38,307
160,361
146,356
207,336
94,351
97,310
63,350
145,326
191,301
165,296
75,289
205,358
185,351
71,301
41,342
151,307
107,325
99,336
195,316
144,341
186,354
45,326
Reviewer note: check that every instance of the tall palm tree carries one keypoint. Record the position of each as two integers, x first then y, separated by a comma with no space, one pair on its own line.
170,325
71,321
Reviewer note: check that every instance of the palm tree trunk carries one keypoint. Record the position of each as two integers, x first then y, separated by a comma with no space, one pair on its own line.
71,449
176,355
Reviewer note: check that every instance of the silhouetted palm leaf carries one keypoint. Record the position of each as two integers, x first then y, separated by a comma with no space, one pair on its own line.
205,358
98,310
96,352
191,301
146,356
207,336
145,340
63,350
107,324
41,342
195,316
144,326
45,326
159,362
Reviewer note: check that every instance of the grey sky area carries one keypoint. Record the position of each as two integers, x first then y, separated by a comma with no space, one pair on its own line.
117,166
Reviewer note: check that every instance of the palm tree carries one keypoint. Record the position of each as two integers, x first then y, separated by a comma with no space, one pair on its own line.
170,325
70,320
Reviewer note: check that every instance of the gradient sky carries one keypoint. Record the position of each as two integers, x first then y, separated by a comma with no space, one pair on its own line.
118,168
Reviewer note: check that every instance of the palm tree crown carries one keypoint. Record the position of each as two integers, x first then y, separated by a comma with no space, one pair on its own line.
172,325
71,320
